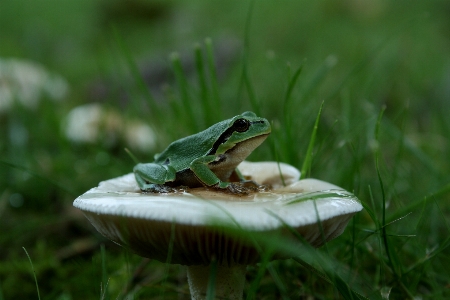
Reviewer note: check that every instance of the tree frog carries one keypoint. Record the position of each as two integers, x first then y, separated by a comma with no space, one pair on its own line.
208,158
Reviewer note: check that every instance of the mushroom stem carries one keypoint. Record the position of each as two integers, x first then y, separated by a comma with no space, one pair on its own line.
229,281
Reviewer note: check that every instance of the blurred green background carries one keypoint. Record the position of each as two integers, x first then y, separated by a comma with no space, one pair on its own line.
82,80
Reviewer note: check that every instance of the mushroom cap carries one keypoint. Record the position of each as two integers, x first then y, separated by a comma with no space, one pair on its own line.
194,224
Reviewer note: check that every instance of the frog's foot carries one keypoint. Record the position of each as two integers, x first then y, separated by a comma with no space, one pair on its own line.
157,188
255,187
239,188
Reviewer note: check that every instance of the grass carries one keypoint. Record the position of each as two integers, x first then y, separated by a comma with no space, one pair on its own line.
34,273
379,68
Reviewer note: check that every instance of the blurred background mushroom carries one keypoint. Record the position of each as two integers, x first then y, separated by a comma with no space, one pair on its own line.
96,123
28,82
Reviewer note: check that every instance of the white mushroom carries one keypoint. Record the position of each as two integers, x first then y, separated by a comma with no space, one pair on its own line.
193,224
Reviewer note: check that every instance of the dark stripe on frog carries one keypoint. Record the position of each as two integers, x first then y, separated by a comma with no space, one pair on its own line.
224,137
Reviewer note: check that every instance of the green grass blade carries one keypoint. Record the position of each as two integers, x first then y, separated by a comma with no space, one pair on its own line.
133,157
306,167
105,279
442,214
172,240
141,85
278,282
380,225
312,269
320,195
352,246
319,76
368,209
410,146
429,256
213,79
183,87
329,269
245,73
259,275
204,92
211,289
279,171
34,272
393,262
414,205
290,88
392,259
168,258
250,91
290,151
378,125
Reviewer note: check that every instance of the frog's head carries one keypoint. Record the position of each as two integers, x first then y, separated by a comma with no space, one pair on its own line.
247,131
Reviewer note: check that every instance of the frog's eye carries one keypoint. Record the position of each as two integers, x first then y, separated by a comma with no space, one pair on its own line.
241,125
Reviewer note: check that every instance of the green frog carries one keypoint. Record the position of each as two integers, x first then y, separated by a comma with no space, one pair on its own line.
208,158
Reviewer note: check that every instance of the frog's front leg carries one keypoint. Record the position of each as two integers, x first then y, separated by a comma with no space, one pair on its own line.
208,178
204,174
151,177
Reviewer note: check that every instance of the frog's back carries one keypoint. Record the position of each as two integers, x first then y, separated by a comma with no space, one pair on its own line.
182,152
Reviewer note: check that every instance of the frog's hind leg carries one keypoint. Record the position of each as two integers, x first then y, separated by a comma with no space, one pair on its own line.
151,177
144,185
